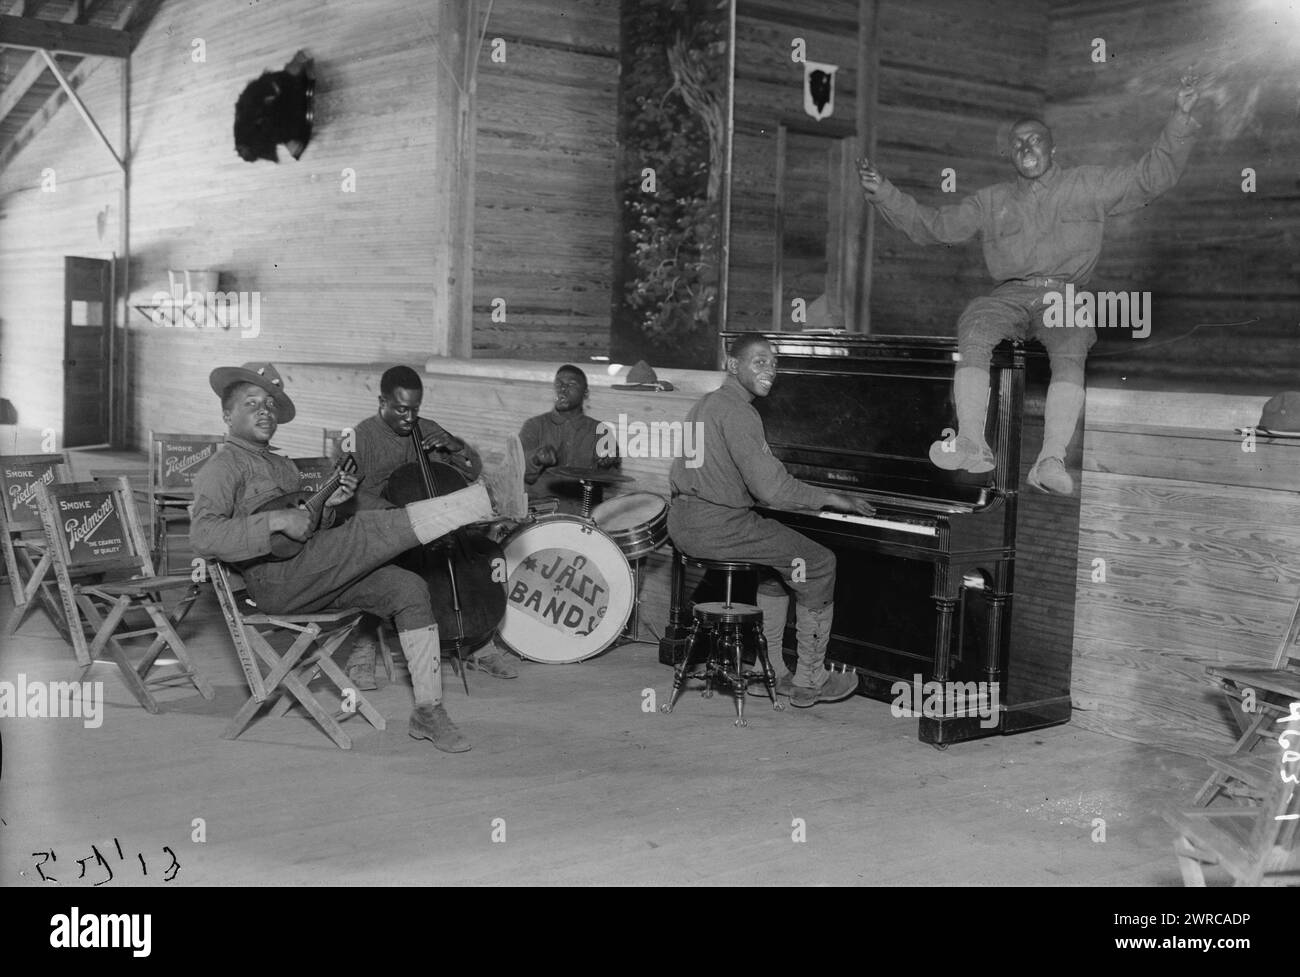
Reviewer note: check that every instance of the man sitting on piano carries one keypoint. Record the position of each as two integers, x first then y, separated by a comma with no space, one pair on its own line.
713,518
1042,233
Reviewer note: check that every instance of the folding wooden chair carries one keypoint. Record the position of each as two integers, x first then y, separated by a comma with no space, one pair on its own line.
174,460
1245,772
331,442
313,472
1255,844
27,557
104,572
287,675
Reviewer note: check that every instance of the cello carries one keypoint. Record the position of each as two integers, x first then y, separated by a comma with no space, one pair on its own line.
458,568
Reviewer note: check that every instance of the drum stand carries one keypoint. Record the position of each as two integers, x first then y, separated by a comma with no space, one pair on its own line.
590,491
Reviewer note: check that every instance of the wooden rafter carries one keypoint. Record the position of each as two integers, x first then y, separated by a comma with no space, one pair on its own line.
49,35
133,20
34,68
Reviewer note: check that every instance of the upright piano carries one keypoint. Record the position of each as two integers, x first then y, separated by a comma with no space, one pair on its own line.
963,580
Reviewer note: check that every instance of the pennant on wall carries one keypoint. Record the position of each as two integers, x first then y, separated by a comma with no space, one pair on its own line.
819,89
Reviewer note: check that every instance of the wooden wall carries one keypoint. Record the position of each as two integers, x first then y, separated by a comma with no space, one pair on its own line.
949,74
545,211
952,75
341,276
37,229
1201,543
769,89
1209,252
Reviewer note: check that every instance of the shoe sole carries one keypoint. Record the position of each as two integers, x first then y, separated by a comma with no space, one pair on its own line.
1035,483
445,749
473,667
821,697
950,461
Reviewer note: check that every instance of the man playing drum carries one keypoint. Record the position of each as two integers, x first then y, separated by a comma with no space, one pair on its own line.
563,437
712,517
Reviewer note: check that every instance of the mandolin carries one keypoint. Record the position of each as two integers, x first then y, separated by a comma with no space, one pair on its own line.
284,547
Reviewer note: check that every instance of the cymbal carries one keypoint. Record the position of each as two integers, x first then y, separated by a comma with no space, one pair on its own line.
597,476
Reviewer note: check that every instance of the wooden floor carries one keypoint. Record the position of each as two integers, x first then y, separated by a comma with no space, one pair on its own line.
588,787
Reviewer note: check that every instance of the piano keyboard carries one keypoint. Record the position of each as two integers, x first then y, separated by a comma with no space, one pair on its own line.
919,528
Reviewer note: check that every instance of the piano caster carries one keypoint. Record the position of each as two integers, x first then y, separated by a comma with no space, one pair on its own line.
941,747
741,722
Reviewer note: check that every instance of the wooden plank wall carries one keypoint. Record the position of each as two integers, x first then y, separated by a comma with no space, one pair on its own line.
341,275
952,74
1201,543
768,91
37,228
1209,252
545,210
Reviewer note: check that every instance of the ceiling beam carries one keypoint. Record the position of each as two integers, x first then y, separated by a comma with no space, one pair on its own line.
128,20
30,73
47,35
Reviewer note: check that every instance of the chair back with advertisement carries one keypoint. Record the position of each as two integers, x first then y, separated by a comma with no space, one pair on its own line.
174,460
279,680
109,591
26,554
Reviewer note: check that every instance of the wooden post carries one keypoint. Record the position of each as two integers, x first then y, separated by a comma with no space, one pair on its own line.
868,85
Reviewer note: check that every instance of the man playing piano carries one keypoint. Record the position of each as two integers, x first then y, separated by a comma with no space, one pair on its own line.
712,517
1041,233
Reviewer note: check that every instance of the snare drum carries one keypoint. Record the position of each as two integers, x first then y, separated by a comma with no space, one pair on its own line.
569,590
637,522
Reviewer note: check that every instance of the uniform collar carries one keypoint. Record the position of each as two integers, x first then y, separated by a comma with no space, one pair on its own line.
570,417
733,388
253,446
1044,183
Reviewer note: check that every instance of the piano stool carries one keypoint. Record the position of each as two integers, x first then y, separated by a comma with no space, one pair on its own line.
731,633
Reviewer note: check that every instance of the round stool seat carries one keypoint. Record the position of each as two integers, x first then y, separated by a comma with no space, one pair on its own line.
716,612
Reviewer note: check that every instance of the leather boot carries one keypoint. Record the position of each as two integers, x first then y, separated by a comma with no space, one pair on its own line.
429,720
361,662
775,608
434,518
812,682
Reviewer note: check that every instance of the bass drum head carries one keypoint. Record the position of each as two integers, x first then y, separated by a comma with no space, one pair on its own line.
569,590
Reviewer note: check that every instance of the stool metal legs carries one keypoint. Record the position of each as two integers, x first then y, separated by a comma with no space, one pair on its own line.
725,662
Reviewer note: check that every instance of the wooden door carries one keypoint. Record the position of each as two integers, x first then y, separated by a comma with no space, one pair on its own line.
87,320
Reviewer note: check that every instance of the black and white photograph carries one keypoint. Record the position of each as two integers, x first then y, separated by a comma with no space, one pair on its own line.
651,443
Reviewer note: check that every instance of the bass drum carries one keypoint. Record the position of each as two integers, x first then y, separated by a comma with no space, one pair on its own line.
569,590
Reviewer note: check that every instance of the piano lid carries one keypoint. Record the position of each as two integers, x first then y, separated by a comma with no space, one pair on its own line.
860,412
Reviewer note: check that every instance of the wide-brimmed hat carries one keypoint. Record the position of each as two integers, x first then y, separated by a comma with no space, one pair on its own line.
263,375
1281,416
642,377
